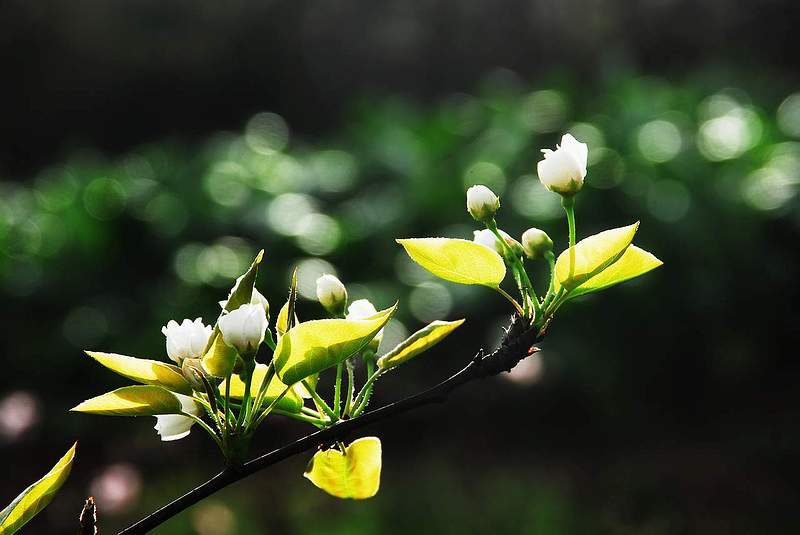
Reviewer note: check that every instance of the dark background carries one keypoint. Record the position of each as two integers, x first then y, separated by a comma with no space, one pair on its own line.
139,174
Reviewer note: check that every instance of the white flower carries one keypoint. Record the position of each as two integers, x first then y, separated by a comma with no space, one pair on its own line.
257,298
362,309
482,203
536,242
563,170
177,426
187,340
244,328
487,238
331,294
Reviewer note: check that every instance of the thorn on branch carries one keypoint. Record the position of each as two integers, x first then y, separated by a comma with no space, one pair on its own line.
88,518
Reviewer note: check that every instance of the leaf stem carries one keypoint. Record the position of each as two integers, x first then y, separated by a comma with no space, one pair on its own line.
318,401
569,207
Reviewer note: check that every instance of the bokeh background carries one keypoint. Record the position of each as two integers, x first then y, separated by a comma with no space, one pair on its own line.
148,149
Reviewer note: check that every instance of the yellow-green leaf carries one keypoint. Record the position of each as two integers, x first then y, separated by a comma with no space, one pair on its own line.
36,497
420,341
282,323
290,402
455,260
242,292
149,372
140,400
633,263
593,255
220,359
313,346
354,474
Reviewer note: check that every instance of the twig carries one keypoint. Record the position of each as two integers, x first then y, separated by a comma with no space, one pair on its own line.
516,345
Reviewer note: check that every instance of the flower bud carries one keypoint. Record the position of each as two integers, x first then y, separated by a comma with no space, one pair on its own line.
257,298
187,339
244,328
361,309
487,238
192,371
562,171
536,242
332,294
482,203
177,426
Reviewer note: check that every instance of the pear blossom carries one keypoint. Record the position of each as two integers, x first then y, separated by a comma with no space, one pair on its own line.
176,426
487,238
562,171
187,339
331,294
257,298
244,328
362,309
482,203
536,242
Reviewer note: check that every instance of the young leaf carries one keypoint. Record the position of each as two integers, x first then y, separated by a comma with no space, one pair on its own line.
282,323
420,341
220,359
36,497
314,346
633,263
137,400
354,474
593,255
454,260
242,291
291,402
149,372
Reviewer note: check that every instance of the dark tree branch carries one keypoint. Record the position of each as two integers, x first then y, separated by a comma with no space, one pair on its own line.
516,345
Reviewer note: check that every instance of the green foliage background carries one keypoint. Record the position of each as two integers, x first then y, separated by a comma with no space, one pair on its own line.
662,406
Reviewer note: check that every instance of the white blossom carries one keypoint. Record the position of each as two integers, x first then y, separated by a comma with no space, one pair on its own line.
244,328
362,309
482,203
331,294
563,170
187,339
536,242
176,426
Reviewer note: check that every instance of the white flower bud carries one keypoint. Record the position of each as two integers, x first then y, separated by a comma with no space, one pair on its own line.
482,203
361,309
244,329
187,340
487,238
536,242
257,298
332,294
177,426
563,170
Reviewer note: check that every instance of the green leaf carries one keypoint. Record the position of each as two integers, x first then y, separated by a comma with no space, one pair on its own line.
149,372
633,263
36,497
454,260
593,255
220,359
291,402
420,341
313,346
242,291
137,400
282,323
354,474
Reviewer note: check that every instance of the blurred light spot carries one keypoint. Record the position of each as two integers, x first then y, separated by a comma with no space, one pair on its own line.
728,136
531,199
720,104
56,189
592,136
486,173
23,278
789,115
394,333
104,198
668,200
318,234
23,239
462,114
430,301
408,271
608,171
769,188
334,170
139,168
19,411
528,371
85,326
213,518
279,173
308,271
226,183
286,210
117,488
53,233
266,133
185,262
167,214
219,263
659,141
544,111
370,212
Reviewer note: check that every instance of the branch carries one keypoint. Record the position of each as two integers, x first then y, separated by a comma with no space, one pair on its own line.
516,345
